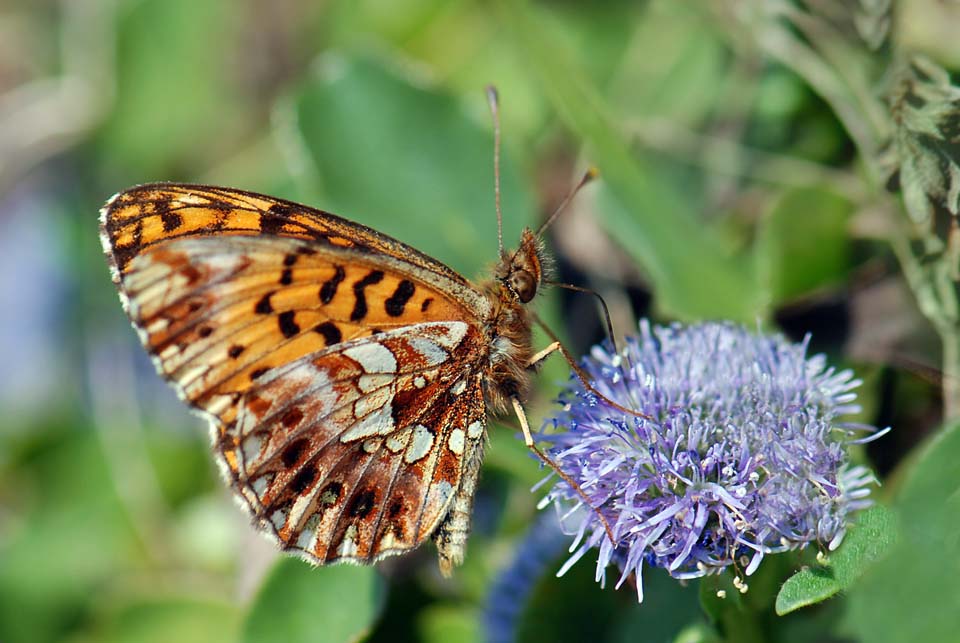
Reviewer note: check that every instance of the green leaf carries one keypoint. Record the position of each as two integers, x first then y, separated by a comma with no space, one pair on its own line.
914,593
692,274
803,244
407,161
926,111
675,66
298,602
806,587
174,102
697,633
440,624
178,619
70,540
866,542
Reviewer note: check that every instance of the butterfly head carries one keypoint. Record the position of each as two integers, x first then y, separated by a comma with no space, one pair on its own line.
520,272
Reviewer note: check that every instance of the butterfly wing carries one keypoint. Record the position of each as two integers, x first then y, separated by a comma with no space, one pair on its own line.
356,452
239,297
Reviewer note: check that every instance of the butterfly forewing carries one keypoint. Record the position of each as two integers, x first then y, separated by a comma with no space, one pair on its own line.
340,369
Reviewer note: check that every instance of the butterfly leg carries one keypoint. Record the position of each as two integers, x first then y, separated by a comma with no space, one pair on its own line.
535,361
528,441
556,346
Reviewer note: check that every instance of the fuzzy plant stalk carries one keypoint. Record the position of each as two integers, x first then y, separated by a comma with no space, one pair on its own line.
902,112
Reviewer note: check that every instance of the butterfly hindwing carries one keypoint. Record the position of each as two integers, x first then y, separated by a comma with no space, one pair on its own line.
356,452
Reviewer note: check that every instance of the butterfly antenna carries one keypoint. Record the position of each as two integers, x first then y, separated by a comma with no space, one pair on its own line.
588,176
494,100
603,305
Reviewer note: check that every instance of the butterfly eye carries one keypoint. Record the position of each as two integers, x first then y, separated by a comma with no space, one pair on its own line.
523,284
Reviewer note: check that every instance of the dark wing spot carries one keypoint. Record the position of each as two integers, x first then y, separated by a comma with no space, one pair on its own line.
204,331
235,350
195,305
304,478
291,455
273,220
363,503
289,260
331,334
264,307
191,274
360,305
170,220
398,300
288,326
258,372
292,418
395,509
286,277
329,287
426,304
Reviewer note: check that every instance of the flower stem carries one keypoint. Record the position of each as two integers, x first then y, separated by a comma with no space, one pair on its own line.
937,297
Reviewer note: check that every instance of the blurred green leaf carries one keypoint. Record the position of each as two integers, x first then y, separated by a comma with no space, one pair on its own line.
697,633
442,624
674,67
174,99
182,620
181,464
668,608
691,273
803,243
64,546
867,541
571,608
396,22
298,602
407,161
914,593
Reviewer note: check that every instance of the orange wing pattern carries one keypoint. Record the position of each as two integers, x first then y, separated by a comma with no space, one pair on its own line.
145,215
340,369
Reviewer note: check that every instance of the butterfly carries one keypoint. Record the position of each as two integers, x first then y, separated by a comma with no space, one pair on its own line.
346,376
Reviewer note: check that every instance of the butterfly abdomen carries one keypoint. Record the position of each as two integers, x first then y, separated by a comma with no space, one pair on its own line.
451,536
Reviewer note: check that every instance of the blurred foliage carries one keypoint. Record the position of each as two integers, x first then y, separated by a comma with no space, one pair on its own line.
752,167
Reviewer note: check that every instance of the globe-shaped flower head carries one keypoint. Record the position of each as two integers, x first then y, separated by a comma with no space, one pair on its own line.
744,455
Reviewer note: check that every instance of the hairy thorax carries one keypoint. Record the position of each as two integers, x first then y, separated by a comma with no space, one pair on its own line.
510,352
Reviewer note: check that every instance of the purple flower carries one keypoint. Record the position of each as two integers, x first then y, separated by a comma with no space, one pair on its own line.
745,454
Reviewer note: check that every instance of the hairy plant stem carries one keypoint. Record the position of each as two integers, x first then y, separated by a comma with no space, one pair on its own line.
937,297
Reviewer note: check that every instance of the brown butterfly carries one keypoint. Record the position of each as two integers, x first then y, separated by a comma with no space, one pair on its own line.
346,376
